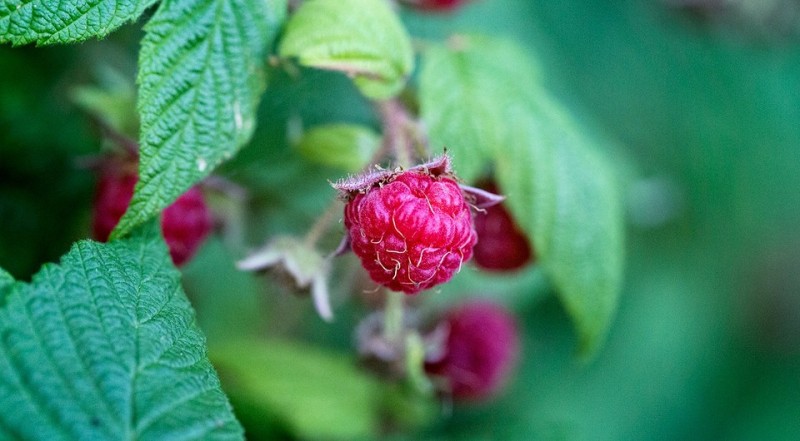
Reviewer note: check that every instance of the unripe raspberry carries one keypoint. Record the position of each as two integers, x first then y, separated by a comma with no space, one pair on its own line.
412,230
185,223
481,348
501,245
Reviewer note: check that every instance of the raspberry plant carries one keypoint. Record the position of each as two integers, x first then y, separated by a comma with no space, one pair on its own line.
105,344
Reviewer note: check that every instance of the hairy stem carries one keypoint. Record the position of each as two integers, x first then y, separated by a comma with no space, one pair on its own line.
395,119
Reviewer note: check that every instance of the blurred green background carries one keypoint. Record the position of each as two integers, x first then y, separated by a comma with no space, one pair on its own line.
703,108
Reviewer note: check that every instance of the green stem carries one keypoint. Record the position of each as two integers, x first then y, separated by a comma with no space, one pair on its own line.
395,137
393,316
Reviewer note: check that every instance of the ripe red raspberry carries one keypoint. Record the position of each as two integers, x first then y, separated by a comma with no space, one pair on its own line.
501,245
434,5
185,223
412,230
481,348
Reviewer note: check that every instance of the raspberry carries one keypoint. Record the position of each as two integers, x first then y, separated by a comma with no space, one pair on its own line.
185,223
482,346
434,5
501,245
412,230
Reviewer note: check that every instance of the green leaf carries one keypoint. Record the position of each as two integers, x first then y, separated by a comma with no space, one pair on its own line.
55,21
5,278
481,97
566,197
363,38
345,146
465,88
113,101
319,395
104,346
6,282
201,75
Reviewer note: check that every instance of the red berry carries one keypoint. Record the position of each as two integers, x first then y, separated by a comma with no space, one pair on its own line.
185,223
481,348
112,196
434,5
501,245
412,230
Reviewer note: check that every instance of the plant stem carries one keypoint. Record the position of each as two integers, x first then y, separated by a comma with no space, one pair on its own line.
393,317
395,137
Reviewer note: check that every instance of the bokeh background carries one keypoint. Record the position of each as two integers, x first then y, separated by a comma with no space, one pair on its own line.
698,102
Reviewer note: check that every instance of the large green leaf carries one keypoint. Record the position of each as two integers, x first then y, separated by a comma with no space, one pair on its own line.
481,97
104,346
566,198
55,21
363,38
319,395
201,75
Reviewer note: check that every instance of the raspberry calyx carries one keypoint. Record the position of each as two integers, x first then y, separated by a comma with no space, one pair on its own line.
412,229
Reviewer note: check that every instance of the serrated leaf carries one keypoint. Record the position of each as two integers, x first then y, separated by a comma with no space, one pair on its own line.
345,146
201,75
566,198
104,346
363,38
481,98
318,394
465,88
56,21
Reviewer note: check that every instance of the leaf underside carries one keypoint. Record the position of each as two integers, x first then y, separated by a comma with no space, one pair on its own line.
104,346
482,99
56,21
201,75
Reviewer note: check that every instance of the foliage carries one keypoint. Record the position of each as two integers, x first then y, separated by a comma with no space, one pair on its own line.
105,346
646,149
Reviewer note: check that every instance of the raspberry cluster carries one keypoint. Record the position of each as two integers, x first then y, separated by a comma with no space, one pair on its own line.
185,223
412,230
481,348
